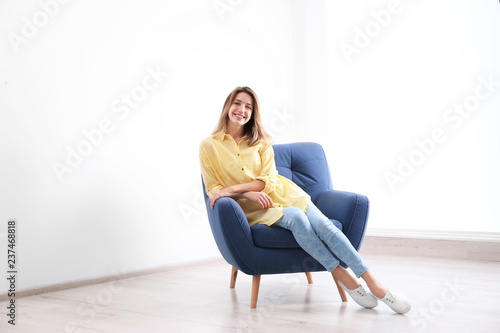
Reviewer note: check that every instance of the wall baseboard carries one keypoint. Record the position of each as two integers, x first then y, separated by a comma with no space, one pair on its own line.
437,244
85,282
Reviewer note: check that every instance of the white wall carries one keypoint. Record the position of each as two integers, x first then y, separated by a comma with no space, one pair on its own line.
395,88
134,200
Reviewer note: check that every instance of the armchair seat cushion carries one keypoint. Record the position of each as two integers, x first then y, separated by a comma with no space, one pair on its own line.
276,237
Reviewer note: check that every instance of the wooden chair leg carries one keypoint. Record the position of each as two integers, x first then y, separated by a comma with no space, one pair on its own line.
342,292
234,274
255,291
309,277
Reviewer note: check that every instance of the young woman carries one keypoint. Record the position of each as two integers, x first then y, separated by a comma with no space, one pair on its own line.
237,161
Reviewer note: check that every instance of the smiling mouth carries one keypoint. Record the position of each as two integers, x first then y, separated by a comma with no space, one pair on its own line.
239,116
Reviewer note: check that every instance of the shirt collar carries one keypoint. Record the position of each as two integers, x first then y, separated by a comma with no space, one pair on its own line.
221,136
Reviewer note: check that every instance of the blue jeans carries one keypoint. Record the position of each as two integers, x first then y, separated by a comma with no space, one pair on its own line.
320,238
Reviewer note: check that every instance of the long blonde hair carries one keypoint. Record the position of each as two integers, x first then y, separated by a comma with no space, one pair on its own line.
253,131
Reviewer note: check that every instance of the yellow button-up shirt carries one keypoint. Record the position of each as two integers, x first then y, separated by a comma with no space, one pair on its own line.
225,163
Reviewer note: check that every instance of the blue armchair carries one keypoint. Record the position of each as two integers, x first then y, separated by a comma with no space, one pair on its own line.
261,249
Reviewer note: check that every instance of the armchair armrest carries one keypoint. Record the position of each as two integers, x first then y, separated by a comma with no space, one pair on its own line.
350,209
232,233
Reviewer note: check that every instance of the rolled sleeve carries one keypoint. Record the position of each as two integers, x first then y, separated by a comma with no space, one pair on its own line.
210,191
212,184
269,174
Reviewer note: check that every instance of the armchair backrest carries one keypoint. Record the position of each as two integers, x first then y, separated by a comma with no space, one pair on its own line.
305,164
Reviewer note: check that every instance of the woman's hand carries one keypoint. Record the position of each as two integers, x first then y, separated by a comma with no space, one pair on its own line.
225,192
262,198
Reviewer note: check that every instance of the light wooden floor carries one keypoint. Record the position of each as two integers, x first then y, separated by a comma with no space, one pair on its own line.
448,296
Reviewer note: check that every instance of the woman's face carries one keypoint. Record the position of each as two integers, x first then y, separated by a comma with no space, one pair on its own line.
240,111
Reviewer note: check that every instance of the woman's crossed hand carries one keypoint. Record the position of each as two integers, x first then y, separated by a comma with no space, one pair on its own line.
262,198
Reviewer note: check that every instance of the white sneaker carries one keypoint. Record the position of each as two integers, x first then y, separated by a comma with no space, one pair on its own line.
361,296
397,302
